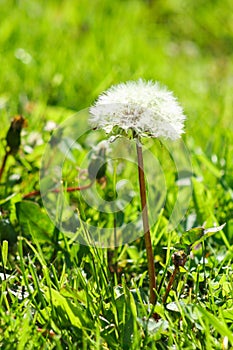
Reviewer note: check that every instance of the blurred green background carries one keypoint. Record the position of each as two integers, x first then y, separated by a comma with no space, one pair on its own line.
64,53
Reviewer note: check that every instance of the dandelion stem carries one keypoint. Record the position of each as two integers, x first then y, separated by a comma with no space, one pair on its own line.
149,251
179,259
57,190
4,163
170,284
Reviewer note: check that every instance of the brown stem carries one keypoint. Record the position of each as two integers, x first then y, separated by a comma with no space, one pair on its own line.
57,190
170,283
149,251
179,259
4,163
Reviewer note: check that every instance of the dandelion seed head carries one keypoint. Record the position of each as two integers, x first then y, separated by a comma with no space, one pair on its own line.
144,107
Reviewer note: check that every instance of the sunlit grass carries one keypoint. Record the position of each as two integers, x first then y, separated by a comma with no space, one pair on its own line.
56,57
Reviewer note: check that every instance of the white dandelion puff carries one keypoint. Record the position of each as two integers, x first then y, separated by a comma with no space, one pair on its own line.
146,108
140,109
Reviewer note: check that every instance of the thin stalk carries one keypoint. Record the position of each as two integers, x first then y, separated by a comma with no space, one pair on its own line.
170,283
4,163
203,259
145,219
115,220
57,190
179,259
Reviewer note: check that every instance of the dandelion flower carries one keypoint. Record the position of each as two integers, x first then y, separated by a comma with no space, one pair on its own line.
140,109
144,107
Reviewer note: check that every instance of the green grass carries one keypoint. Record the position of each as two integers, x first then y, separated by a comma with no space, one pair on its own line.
56,57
